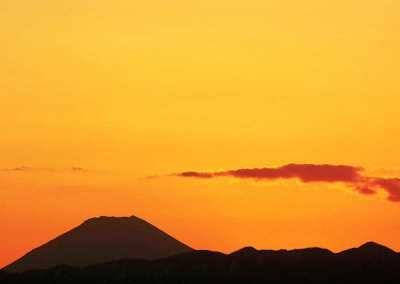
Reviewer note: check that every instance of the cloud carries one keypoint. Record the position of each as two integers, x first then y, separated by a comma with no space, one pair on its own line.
350,175
21,169
79,170
304,172
33,169
17,169
198,174
390,185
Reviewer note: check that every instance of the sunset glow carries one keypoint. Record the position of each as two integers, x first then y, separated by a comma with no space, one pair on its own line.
106,106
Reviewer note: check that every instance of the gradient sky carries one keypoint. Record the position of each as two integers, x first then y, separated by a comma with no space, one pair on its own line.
97,95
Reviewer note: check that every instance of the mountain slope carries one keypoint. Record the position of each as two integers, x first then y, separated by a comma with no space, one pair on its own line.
100,240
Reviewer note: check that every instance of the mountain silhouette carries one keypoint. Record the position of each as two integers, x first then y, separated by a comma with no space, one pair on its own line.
369,249
130,250
99,240
369,263
245,252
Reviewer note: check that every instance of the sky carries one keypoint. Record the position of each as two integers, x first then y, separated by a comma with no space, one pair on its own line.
116,108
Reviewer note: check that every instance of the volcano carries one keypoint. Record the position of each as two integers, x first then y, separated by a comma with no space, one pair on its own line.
99,240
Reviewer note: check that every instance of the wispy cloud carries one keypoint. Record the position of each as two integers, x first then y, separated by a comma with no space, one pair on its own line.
37,169
79,170
17,169
350,175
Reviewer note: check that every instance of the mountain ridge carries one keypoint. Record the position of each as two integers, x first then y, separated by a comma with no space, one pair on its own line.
310,265
107,239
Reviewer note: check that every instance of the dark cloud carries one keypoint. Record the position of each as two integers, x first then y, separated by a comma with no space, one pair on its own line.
304,172
390,185
197,174
351,176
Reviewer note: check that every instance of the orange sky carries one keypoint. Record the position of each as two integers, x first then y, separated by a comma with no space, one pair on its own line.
130,89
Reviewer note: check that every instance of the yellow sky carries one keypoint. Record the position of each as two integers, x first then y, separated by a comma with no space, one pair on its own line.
135,88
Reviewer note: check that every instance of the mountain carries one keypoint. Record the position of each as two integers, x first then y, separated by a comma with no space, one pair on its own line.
248,265
369,250
100,240
130,250
245,252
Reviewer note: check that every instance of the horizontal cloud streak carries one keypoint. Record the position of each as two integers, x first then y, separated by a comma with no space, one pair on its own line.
32,169
17,169
351,176
304,172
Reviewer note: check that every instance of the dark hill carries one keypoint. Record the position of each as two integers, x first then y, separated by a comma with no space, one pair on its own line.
369,250
100,240
248,265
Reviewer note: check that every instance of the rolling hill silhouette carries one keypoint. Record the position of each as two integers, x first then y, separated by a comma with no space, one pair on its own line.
370,263
370,251
130,250
99,240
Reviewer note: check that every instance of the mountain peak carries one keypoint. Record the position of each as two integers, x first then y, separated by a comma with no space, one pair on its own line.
369,250
102,239
113,219
246,251
373,246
